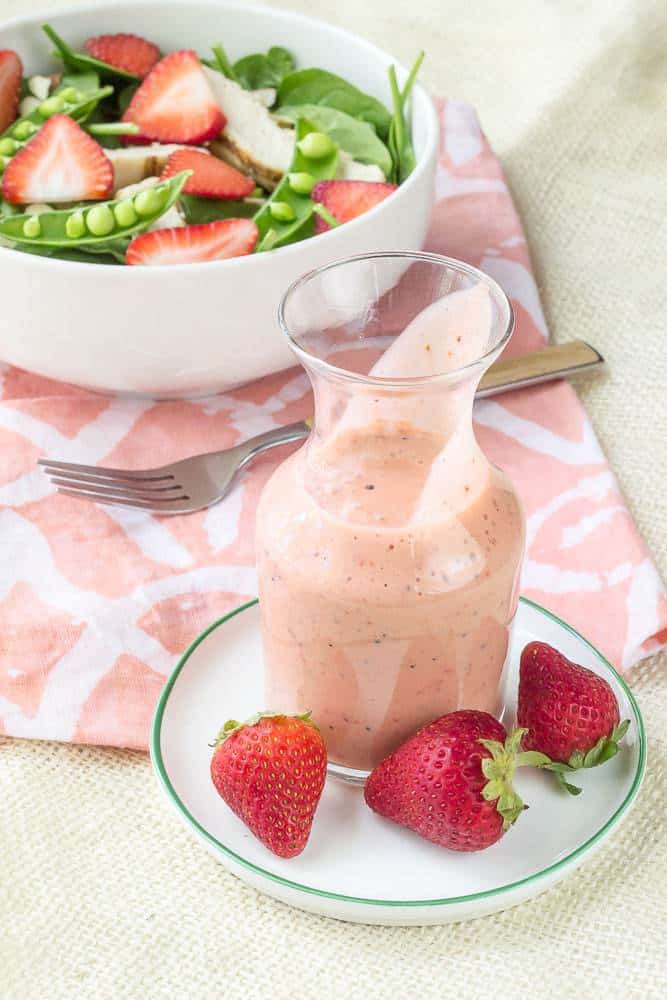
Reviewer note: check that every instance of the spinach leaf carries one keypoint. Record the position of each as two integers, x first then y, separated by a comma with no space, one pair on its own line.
112,252
256,71
317,86
357,138
399,141
198,210
125,96
81,62
114,249
7,209
281,60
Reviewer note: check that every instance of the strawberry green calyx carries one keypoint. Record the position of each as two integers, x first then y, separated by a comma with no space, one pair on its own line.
499,768
232,726
605,748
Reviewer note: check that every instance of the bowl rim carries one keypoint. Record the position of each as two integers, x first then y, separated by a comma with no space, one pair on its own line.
420,98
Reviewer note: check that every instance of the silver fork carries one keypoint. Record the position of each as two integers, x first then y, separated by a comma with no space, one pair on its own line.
198,482
178,488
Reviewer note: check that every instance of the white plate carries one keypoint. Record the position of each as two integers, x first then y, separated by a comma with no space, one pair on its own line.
357,866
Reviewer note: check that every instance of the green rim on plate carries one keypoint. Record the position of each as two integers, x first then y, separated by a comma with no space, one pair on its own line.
158,762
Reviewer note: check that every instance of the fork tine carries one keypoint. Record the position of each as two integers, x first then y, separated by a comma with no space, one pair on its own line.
120,494
168,507
80,480
149,475
121,491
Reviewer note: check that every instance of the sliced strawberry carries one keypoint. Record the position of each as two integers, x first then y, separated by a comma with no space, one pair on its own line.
211,178
61,163
11,74
175,102
194,244
128,52
346,200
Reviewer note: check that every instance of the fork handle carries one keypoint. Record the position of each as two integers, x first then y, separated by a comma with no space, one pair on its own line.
553,362
270,439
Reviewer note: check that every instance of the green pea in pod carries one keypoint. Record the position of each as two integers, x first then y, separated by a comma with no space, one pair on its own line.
97,222
78,104
287,216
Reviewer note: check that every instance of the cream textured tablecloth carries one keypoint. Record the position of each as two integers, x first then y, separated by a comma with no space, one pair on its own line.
104,895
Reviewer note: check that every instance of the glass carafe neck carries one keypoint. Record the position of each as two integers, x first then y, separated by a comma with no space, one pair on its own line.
390,456
440,407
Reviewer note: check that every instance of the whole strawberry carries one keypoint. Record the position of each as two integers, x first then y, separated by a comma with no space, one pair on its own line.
452,781
270,771
571,715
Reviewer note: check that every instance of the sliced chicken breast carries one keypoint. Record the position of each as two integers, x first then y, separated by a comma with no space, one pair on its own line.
265,96
251,140
352,170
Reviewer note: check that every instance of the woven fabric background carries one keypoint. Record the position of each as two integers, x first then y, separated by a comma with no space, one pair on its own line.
103,894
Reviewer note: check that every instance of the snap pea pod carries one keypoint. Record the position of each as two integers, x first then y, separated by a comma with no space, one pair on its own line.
112,128
287,215
81,61
109,134
399,141
66,99
78,95
85,83
95,223
356,137
221,62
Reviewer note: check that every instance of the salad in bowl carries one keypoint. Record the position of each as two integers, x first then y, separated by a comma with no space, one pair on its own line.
131,155
113,153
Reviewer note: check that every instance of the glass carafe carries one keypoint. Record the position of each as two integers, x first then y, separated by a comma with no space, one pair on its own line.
388,546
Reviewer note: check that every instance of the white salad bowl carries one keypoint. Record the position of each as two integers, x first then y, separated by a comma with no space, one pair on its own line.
196,328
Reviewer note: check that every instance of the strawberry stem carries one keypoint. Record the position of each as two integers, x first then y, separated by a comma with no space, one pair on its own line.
605,748
499,769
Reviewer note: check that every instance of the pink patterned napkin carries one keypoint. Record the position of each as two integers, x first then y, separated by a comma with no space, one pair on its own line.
96,604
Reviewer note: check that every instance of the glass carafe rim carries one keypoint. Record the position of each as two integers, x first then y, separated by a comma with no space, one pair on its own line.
312,362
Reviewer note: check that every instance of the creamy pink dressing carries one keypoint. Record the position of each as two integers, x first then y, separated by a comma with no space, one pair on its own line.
388,555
